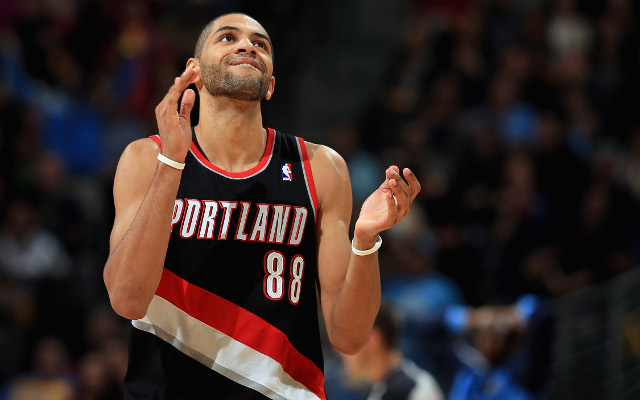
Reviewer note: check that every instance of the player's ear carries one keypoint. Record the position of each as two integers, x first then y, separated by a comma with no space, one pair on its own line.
272,87
192,63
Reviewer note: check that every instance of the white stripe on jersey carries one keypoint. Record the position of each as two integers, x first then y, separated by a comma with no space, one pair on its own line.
220,352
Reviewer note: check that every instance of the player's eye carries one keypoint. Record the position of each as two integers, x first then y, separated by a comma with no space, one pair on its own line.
226,38
260,43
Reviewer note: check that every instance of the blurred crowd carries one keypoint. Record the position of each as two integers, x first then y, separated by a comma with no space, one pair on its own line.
518,116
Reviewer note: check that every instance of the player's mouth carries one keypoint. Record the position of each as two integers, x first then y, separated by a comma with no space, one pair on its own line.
246,61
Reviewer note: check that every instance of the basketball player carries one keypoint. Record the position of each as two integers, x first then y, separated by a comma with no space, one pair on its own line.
225,231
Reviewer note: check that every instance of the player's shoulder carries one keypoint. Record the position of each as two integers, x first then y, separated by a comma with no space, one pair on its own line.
325,159
399,386
138,160
330,174
141,148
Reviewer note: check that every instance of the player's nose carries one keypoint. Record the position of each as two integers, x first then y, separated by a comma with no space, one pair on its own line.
245,45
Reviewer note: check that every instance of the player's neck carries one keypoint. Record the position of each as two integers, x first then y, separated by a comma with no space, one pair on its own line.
231,134
384,365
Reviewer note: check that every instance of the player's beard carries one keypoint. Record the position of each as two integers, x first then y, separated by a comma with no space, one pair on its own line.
220,82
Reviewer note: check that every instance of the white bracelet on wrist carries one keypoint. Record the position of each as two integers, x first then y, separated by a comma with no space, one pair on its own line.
368,251
170,162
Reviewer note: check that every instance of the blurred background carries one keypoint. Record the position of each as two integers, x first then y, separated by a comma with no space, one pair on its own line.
520,118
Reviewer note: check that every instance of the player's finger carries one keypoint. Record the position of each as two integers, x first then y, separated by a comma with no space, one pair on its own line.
391,206
174,94
402,200
189,76
180,83
188,99
413,182
392,173
164,107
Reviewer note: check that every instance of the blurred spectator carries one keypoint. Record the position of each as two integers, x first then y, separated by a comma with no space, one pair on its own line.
94,380
28,253
17,318
115,353
414,287
70,125
568,31
522,221
382,364
494,344
461,262
344,139
106,354
510,349
561,175
60,210
49,378
101,325
515,121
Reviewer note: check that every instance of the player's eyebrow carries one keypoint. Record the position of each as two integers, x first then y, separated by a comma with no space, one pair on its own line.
233,28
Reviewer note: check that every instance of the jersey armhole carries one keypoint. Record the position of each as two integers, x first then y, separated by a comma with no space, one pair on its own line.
156,138
308,176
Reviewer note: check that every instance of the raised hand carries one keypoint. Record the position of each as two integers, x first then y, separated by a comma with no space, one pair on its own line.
174,127
389,204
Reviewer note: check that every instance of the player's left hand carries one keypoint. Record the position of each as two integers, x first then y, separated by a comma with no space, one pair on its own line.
389,204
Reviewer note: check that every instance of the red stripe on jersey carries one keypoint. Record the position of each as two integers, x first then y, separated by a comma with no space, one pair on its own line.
156,138
243,326
263,161
308,174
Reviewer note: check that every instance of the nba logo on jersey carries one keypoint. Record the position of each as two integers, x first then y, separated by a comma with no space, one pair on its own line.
286,172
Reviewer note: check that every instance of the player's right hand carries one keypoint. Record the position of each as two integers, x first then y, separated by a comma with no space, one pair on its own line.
174,127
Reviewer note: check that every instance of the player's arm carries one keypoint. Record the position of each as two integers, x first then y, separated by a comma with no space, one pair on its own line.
144,192
144,195
350,284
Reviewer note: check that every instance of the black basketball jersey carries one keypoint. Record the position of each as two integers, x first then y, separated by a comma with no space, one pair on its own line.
235,314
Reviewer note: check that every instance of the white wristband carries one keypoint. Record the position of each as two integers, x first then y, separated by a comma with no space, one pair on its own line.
170,162
369,251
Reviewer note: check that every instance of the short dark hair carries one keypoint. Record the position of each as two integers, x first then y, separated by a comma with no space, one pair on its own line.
206,32
388,323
